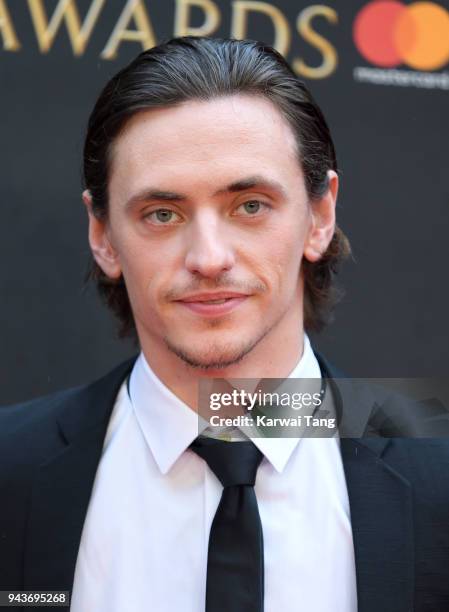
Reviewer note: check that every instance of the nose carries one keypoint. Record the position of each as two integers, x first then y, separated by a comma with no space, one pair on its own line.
209,253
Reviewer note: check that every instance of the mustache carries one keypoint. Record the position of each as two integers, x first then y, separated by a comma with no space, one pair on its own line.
225,283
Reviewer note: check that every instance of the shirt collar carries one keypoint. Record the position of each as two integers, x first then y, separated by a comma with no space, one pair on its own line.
169,425
279,450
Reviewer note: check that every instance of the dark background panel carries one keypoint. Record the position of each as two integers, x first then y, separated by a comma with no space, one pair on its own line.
392,145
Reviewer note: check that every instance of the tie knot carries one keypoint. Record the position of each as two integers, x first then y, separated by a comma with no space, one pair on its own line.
233,463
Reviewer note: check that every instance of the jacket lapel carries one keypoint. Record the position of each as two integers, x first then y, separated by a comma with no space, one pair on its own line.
380,501
381,517
63,485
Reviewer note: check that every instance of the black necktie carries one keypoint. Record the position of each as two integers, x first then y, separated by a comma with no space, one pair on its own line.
235,570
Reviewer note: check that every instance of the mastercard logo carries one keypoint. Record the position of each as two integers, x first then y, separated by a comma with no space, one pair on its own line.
388,33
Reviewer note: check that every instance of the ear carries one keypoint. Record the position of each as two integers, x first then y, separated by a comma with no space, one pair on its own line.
323,221
100,244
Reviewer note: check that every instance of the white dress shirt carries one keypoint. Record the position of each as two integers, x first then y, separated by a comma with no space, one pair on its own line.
145,538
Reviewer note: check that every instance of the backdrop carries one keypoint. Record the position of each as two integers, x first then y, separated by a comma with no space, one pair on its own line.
380,72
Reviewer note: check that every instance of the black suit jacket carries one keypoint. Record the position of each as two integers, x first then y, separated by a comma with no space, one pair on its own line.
398,492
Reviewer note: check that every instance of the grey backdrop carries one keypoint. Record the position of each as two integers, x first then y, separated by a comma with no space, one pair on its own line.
392,145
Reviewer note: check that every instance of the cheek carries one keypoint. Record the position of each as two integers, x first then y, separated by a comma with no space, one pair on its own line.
142,264
283,256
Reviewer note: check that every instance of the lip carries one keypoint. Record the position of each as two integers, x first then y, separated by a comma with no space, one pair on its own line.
195,303
216,295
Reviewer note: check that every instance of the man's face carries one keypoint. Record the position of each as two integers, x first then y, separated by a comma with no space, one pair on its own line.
207,202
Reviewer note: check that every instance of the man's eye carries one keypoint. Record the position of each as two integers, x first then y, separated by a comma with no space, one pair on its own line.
163,216
252,207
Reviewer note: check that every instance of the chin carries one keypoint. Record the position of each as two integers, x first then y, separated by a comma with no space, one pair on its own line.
213,357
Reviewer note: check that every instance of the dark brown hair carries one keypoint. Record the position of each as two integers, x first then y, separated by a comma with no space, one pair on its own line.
192,68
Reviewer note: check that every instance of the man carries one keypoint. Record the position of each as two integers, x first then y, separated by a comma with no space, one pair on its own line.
211,184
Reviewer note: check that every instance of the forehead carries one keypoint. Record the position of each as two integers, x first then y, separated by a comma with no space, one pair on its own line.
202,141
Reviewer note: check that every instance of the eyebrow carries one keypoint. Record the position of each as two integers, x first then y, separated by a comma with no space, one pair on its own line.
152,195
251,182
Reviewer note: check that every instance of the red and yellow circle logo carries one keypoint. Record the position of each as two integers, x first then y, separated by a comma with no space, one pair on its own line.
388,33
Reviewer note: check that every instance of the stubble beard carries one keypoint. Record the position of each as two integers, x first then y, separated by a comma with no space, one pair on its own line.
218,356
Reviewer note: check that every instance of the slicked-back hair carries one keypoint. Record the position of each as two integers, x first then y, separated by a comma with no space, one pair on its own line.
199,68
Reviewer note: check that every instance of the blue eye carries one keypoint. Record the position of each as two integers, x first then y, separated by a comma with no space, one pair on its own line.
252,207
162,216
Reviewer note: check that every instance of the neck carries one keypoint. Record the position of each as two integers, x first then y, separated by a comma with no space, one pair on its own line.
275,356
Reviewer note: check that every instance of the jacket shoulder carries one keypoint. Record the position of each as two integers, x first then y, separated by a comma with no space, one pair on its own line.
29,435
23,415
31,431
